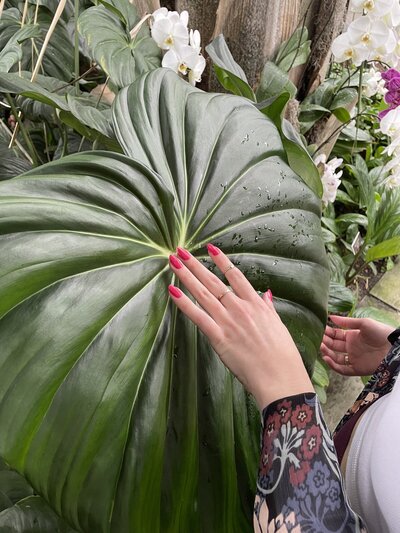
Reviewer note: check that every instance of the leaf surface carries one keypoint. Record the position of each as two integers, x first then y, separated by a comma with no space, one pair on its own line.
132,422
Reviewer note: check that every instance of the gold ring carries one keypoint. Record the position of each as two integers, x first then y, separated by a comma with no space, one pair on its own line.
219,298
346,360
229,268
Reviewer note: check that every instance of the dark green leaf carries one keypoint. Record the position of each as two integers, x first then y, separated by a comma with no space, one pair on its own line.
32,515
341,298
233,84
12,51
131,422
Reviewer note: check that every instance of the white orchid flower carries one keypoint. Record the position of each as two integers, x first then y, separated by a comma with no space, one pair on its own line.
181,58
195,40
330,178
375,8
373,83
344,50
374,34
390,123
169,29
196,72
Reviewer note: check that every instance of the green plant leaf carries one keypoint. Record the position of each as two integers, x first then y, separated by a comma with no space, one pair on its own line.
229,73
12,51
384,249
342,114
295,51
122,58
341,298
299,159
273,82
131,422
59,58
343,99
296,152
221,56
377,314
32,515
353,218
233,84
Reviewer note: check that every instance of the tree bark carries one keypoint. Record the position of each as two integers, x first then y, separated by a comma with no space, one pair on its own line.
244,27
145,6
328,23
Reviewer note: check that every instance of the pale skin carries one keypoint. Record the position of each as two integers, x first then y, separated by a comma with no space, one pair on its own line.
244,329
363,340
252,341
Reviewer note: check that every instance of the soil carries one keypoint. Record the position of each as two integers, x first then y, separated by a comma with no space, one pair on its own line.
367,279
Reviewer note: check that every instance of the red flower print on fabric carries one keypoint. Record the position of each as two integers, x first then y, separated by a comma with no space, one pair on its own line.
311,442
301,416
298,475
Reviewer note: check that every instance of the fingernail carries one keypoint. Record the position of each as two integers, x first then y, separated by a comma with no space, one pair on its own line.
174,291
175,261
183,254
213,249
269,294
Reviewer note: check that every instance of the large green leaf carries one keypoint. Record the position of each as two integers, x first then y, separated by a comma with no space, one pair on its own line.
120,56
131,422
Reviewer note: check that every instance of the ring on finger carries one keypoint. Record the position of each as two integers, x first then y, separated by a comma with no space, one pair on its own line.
346,360
228,268
219,298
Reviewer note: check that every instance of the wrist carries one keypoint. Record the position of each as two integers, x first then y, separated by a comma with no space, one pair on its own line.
268,393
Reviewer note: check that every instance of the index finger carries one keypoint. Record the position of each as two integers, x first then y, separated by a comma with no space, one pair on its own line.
237,280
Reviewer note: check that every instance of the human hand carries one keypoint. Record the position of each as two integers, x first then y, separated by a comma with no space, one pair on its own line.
363,341
244,329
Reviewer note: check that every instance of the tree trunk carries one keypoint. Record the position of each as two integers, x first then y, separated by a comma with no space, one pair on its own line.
254,30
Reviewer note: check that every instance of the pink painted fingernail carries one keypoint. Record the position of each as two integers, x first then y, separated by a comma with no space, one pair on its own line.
175,262
269,294
183,254
174,291
213,249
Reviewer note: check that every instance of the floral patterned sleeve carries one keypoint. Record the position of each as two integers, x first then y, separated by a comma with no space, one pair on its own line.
299,486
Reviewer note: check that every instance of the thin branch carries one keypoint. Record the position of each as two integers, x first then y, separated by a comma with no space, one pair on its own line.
17,143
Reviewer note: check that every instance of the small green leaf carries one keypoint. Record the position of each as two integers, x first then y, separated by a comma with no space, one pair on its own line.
234,84
274,106
342,114
221,56
344,98
320,375
353,218
295,51
384,249
274,82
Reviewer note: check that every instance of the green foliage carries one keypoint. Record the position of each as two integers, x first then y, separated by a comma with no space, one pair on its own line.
230,75
295,51
121,57
90,266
